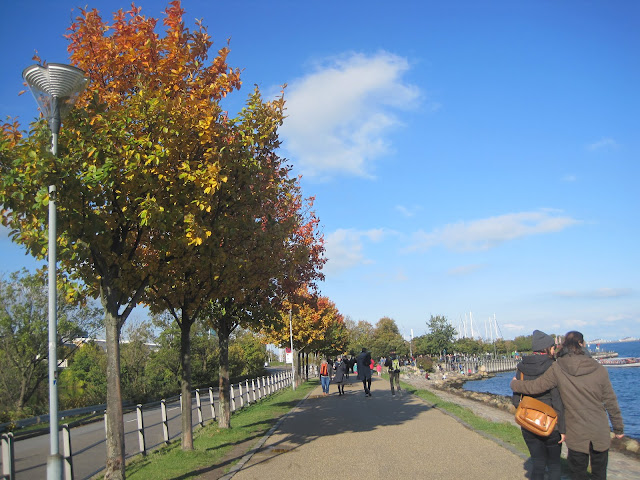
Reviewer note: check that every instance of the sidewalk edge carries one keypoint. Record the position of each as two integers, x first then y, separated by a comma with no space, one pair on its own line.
243,461
511,448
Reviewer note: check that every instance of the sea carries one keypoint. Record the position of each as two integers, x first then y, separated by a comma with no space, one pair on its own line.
625,382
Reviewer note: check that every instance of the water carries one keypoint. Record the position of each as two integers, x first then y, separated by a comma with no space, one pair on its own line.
625,382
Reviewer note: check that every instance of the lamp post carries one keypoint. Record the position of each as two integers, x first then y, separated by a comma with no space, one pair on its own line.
293,365
55,87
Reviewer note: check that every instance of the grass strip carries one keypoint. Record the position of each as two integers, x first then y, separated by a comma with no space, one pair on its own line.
211,443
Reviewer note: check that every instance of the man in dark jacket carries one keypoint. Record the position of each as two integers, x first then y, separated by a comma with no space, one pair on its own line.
545,451
588,399
364,370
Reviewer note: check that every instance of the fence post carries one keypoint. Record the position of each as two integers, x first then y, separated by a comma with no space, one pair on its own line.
143,447
105,424
233,400
246,384
66,450
241,395
8,464
259,388
213,408
253,389
199,407
165,423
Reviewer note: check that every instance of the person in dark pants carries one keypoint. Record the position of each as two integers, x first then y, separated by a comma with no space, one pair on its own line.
364,370
339,369
590,404
393,363
544,451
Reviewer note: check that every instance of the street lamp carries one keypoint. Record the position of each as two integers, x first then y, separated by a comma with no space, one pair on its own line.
293,366
55,87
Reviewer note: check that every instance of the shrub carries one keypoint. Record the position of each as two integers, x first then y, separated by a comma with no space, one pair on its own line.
424,363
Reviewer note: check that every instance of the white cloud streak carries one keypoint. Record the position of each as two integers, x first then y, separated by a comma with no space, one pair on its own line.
603,143
596,294
344,248
490,232
339,115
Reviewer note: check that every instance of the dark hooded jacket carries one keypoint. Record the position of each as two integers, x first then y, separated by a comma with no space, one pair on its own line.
588,397
533,366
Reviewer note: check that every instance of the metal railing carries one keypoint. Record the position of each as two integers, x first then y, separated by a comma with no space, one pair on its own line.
158,432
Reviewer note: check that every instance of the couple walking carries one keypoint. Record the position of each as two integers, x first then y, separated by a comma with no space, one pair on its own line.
579,390
339,372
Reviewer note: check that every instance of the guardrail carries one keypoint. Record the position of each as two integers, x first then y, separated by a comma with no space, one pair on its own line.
252,391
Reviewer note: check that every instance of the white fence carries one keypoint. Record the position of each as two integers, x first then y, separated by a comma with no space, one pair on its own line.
149,436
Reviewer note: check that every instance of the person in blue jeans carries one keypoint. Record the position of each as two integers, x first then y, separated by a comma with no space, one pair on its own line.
325,376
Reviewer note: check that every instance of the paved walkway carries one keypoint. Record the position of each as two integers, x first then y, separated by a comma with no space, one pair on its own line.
378,437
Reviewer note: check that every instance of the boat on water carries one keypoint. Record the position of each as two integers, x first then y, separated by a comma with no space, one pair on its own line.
620,362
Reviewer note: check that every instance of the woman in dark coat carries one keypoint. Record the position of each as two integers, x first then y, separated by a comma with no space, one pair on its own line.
588,399
545,451
339,373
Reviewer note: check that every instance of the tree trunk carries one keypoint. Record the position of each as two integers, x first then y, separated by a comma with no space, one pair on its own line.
115,426
185,362
224,419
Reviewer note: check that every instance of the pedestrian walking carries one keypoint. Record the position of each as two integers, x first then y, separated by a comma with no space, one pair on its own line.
393,363
363,361
325,376
339,374
544,451
588,399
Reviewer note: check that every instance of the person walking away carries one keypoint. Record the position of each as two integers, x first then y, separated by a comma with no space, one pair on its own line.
339,374
325,376
544,451
588,399
379,369
363,361
393,363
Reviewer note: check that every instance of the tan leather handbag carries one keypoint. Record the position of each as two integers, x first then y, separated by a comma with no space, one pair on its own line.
536,416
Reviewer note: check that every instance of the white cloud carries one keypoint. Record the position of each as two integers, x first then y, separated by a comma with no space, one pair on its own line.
490,232
344,248
569,178
338,116
603,143
599,293
407,211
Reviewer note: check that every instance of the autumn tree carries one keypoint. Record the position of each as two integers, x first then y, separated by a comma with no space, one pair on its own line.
316,326
147,135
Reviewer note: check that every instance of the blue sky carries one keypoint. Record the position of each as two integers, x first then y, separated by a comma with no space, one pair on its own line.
465,156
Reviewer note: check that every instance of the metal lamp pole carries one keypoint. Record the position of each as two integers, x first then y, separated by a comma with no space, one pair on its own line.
293,363
55,87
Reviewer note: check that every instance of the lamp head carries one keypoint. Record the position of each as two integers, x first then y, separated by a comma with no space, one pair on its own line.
56,88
